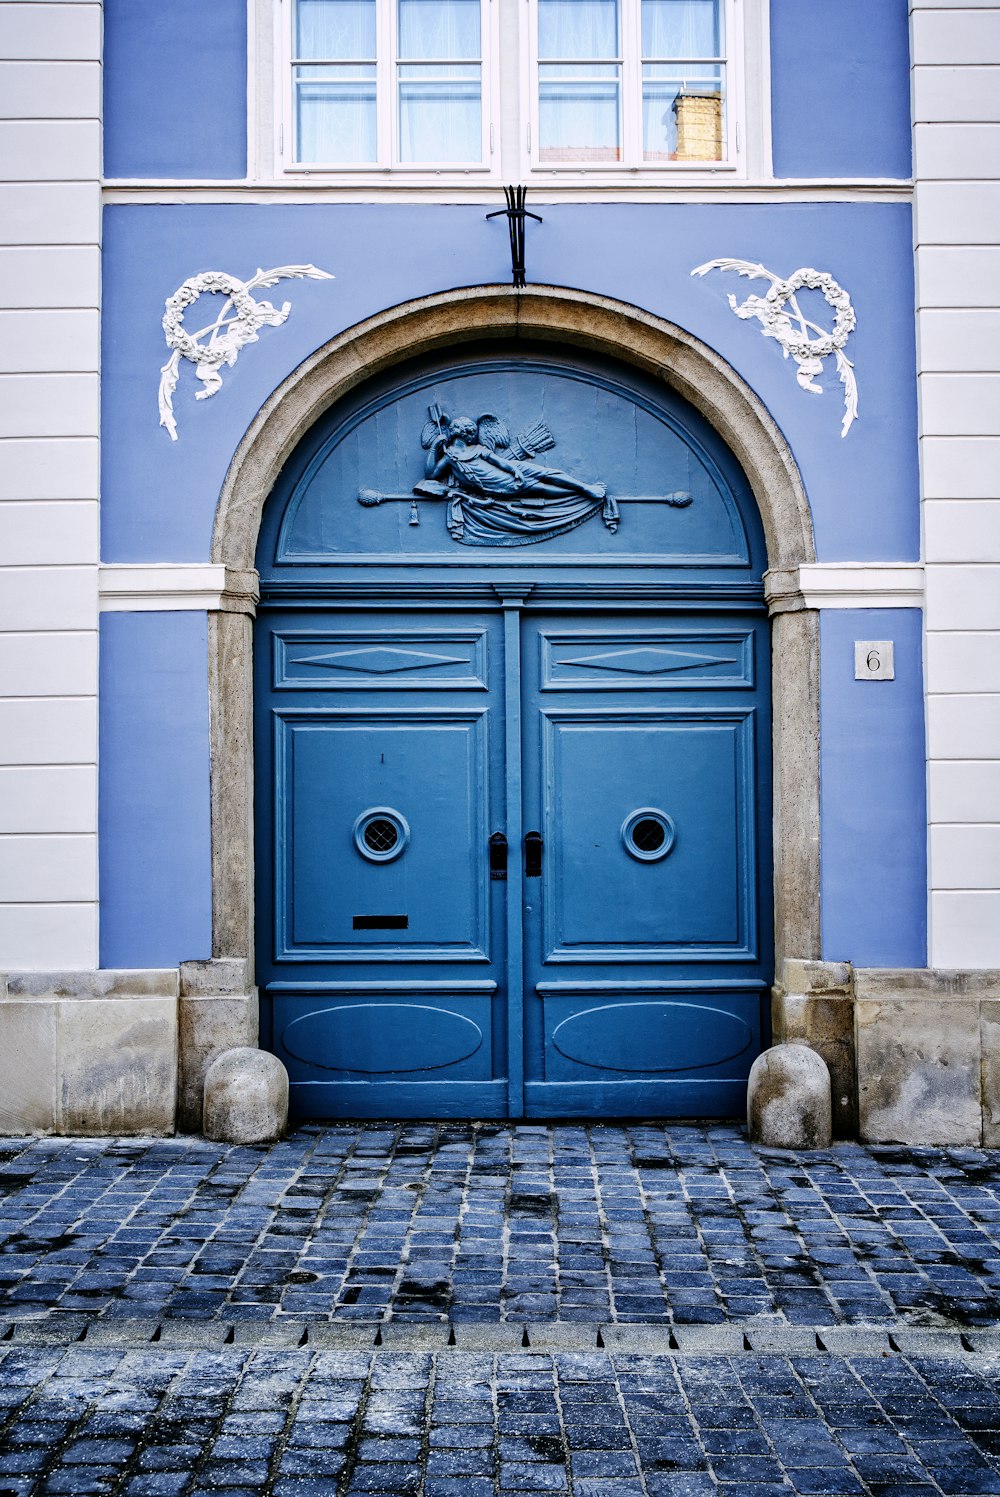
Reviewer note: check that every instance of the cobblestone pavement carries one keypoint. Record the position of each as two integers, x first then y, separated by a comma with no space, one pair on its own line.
480,1222
161,1423
463,1310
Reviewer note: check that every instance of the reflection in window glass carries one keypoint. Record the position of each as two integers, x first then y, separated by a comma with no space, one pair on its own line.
683,113
683,81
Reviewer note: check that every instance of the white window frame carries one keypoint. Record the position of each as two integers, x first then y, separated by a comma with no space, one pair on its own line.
511,114
632,166
387,107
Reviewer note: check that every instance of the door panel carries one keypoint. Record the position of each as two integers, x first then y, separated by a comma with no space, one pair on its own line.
686,773
645,966
416,782
379,775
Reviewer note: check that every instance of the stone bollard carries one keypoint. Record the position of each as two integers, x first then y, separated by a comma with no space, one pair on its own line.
788,1099
246,1097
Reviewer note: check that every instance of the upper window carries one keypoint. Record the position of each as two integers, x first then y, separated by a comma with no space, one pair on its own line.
599,86
388,83
630,82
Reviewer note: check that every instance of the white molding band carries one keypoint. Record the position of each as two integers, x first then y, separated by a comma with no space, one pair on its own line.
145,587
151,587
846,584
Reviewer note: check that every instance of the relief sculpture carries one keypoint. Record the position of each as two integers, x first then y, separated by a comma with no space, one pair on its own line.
495,491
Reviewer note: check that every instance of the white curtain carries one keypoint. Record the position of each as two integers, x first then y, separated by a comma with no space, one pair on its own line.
440,102
335,29
440,113
447,30
682,28
577,28
335,114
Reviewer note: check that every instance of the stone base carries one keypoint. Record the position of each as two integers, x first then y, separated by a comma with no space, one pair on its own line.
913,1055
915,1052
116,1052
788,1099
217,1012
813,1005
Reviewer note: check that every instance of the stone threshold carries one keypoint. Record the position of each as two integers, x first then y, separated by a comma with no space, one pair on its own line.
58,1329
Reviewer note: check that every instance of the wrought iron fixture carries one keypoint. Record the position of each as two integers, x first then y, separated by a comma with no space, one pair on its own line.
516,213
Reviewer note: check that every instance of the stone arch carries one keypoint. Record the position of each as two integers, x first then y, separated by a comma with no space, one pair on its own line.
574,319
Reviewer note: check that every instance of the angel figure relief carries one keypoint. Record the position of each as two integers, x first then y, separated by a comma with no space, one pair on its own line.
497,495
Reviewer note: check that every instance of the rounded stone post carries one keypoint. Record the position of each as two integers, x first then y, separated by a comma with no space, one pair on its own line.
246,1097
788,1099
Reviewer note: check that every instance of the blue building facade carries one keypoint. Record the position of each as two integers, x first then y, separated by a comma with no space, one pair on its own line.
724,331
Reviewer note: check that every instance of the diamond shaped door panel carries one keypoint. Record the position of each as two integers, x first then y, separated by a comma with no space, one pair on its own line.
663,659
417,660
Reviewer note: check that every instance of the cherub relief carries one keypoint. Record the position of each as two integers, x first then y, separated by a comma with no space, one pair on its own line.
498,495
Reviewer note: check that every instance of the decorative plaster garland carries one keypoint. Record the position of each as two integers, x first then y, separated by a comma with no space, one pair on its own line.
226,335
792,331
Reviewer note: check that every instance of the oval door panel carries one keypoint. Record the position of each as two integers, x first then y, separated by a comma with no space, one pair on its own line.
381,1039
652,1037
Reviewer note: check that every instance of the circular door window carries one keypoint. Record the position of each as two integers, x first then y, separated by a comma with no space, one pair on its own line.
648,834
381,834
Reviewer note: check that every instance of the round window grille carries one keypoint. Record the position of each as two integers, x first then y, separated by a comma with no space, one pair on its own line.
381,834
648,834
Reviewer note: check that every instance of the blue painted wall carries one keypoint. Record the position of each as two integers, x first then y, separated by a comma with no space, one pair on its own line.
175,96
159,497
874,857
154,813
840,88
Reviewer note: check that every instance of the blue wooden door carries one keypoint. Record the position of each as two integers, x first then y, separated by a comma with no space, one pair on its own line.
607,963
386,779
643,979
513,754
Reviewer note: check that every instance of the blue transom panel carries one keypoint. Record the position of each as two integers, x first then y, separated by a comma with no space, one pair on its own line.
513,765
558,462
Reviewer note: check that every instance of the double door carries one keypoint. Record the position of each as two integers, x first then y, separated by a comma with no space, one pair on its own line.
513,862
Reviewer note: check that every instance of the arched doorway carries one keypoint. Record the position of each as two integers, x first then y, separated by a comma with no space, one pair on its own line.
513,748
575,320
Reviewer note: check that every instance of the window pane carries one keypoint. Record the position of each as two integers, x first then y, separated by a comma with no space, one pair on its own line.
440,114
683,117
335,114
577,28
335,30
682,28
578,113
442,29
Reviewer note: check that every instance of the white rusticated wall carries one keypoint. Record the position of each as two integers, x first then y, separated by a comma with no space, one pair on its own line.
956,111
50,167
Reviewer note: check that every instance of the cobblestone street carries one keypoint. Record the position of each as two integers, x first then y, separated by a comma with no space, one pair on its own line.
480,1310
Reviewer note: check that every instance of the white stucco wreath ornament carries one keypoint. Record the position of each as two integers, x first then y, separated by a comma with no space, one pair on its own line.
806,342
238,323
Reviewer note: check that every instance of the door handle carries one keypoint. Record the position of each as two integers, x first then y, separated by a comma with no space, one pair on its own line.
533,855
498,856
